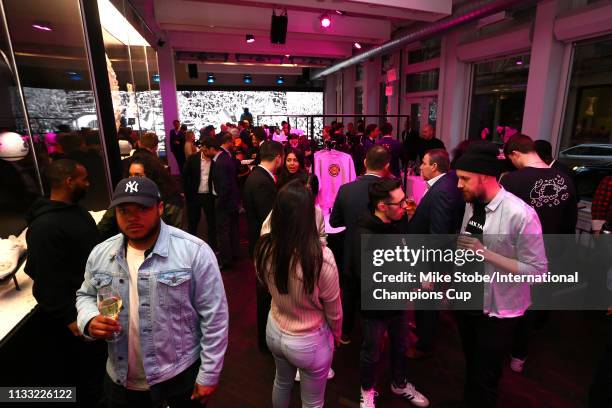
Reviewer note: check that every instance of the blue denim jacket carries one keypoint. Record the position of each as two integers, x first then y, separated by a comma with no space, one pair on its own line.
183,309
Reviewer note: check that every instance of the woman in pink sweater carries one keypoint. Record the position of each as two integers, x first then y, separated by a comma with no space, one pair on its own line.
305,319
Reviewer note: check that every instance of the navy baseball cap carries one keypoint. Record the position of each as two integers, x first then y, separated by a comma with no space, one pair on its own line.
137,190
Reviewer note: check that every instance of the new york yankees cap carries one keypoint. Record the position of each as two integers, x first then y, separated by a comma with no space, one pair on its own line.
137,190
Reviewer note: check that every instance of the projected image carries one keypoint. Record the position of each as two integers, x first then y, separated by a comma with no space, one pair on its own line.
201,108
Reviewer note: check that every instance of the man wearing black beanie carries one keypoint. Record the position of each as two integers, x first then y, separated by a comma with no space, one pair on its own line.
509,233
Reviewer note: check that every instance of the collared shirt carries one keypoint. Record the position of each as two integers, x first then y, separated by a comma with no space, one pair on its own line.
432,181
204,174
512,229
268,171
183,313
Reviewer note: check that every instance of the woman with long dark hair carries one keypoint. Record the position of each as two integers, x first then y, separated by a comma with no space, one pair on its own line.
294,168
305,319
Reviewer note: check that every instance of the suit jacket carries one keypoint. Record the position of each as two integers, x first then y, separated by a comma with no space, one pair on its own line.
191,175
224,173
351,202
440,210
258,198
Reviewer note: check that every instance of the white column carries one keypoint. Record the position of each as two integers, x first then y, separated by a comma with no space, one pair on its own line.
370,89
545,72
167,88
330,97
453,93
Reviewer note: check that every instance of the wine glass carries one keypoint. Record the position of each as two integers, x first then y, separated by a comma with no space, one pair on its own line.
109,304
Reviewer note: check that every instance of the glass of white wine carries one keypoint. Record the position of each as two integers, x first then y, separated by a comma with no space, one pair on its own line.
109,304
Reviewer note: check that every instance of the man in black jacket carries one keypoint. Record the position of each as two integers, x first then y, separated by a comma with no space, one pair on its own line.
352,201
439,212
197,182
225,189
258,197
60,236
387,203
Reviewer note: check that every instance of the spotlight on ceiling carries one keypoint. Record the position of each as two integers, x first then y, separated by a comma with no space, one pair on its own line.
325,20
357,45
340,12
247,79
250,38
210,79
280,80
155,78
74,76
42,26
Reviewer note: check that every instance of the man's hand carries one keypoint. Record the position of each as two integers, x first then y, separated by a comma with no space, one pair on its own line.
202,393
103,327
467,242
74,328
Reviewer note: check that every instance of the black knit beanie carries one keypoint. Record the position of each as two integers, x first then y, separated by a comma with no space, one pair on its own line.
481,158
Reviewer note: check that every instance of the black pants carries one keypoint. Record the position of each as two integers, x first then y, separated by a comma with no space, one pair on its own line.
227,233
426,325
175,392
195,205
486,343
75,362
600,393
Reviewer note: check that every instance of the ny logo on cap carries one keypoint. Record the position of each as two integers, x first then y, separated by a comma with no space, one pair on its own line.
132,186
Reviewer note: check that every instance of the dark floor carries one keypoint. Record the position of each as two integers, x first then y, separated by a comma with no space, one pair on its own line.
557,374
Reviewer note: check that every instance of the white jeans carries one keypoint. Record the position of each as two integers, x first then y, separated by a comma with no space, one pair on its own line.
312,353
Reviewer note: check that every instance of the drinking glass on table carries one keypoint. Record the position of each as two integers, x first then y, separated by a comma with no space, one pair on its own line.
109,305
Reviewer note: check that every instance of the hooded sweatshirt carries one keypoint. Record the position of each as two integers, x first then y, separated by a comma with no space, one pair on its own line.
60,237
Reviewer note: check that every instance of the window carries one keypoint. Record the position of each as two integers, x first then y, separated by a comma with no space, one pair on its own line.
588,113
358,72
385,63
498,98
358,100
423,81
429,50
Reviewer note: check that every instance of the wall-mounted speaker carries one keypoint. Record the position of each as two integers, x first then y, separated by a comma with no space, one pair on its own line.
193,70
278,28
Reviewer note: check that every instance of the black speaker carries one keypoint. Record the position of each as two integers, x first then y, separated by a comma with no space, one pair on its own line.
193,70
278,29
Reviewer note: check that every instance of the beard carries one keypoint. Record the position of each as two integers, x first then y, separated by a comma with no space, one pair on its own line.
143,237
78,194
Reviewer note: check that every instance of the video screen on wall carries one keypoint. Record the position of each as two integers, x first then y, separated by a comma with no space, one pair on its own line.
198,109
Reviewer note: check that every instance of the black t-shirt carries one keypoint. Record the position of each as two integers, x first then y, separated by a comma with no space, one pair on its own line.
550,192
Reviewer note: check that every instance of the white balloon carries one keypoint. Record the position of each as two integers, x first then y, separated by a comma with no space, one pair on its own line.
13,147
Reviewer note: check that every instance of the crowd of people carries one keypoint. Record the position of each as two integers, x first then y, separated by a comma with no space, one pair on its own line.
168,334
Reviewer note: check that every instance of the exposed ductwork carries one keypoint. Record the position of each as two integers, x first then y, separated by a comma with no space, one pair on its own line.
470,12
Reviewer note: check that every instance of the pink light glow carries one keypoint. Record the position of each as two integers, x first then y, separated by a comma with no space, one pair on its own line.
251,40
519,62
357,45
42,27
325,22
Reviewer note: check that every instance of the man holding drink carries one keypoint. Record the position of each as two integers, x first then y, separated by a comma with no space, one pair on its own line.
172,329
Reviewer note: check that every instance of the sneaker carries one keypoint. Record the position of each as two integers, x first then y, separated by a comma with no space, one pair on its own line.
409,393
367,398
330,374
516,364
345,339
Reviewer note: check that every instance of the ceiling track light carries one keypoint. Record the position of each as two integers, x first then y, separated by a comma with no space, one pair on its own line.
357,45
250,38
325,20
210,79
247,79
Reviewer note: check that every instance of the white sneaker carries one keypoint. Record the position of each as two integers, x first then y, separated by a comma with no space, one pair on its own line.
409,393
330,374
516,364
367,398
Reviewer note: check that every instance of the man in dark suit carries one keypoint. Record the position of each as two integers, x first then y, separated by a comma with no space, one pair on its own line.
428,141
225,189
258,197
197,183
351,202
439,212
177,143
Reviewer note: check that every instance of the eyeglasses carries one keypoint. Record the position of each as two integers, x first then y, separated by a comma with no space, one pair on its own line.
401,203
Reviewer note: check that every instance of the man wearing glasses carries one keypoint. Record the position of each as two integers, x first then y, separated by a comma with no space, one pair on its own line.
387,206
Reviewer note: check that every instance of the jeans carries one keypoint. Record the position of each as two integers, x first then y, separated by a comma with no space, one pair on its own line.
373,336
312,353
175,392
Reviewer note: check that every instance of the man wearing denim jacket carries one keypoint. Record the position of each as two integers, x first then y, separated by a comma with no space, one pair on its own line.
173,323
